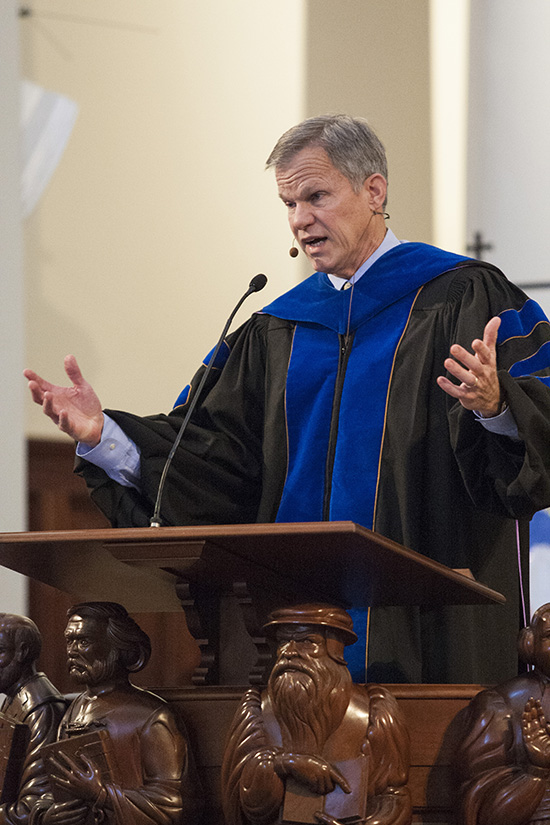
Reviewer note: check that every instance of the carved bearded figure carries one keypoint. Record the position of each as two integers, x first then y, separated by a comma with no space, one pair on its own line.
314,740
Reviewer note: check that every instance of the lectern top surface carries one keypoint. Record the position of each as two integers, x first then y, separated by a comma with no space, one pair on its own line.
341,562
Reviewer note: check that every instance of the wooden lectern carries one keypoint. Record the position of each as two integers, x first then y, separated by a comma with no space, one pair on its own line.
261,566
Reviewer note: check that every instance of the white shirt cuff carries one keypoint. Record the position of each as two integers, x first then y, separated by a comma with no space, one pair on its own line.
116,454
502,424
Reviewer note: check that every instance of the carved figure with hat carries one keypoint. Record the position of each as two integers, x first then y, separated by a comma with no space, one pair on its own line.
313,746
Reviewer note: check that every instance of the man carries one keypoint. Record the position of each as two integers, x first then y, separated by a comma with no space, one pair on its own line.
331,405
313,727
155,783
504,758
31,699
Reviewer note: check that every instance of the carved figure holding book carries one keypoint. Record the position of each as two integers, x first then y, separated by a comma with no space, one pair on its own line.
32,710
122,756
314,747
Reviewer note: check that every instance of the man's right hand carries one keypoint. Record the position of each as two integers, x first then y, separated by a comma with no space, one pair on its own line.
319,776
75,410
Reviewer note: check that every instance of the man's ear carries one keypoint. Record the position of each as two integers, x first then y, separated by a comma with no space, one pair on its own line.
376,188
22,653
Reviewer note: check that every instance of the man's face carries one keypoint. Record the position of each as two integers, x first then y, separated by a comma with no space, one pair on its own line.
88,650
10,667
333,224
297,643
309,690
542,644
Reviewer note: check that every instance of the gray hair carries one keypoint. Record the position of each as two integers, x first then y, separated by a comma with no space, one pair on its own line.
350,143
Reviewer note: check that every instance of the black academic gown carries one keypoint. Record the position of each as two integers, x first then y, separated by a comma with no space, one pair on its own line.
446,487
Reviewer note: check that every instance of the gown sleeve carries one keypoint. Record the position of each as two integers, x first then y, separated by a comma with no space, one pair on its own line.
389,748
501,475
252,792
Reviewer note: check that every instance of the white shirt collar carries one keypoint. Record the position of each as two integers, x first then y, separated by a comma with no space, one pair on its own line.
388,243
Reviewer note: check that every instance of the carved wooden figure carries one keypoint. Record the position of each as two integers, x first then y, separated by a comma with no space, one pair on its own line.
504,758
314,747
122,756
30,716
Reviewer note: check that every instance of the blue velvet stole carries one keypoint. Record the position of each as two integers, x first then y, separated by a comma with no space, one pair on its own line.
381,302
519,324
376,310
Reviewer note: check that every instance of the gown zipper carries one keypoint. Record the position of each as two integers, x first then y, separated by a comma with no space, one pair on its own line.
345,342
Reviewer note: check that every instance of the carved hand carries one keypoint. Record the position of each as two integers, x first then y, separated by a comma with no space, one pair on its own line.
318,775
326,819
75,410
65,813
536,734
83,782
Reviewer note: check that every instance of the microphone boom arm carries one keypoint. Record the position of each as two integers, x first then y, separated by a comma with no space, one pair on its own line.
256,284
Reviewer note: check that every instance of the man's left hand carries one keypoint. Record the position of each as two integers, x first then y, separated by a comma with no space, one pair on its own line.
80,779
479,387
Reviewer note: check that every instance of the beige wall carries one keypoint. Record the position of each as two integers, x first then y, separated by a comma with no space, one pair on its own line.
12,498
160,211
371,59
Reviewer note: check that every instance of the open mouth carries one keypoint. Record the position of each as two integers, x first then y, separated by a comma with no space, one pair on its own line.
314,243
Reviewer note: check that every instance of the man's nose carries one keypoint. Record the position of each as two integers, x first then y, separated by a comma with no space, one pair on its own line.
303,216
289,649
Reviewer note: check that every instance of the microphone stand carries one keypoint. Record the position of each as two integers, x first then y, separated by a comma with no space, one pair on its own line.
256,284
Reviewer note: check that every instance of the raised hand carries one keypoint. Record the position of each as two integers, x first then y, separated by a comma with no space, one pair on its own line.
536,734
479,387
76,410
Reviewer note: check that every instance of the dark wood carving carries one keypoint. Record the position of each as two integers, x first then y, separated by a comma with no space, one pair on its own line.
432,714
29,718
138,766
14,740
313,747
504,758
201,607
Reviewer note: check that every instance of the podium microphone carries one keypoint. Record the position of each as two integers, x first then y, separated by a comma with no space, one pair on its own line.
256,284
